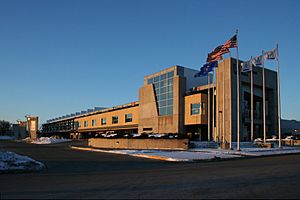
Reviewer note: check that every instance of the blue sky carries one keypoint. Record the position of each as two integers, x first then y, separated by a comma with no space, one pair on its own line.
62,56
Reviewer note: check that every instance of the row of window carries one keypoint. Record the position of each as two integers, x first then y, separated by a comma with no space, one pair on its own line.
114,119
161,77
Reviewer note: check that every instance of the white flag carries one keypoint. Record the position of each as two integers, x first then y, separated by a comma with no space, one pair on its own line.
271,55
246,66
257,60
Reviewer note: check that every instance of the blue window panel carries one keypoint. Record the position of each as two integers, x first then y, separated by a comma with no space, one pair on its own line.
170,88
163,90
170,81
163,96
195,105
162,77
163,83
150,80
170,74
169,110
170,95
170,102
156,79
163,111
157,97
162,103
157,90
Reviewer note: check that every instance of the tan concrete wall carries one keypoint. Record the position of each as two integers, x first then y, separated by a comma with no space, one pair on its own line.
169,144
108,115
148,117
224,107
195,119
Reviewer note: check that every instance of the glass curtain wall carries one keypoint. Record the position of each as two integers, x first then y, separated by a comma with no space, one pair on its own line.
163,85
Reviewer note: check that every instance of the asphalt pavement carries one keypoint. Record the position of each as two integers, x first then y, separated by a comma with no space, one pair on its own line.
73,174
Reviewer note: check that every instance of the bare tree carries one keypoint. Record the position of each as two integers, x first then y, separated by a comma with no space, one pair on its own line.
4,127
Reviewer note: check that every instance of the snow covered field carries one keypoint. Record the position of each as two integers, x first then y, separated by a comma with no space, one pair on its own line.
10,161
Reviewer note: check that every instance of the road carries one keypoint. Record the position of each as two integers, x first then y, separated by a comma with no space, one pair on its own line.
81,174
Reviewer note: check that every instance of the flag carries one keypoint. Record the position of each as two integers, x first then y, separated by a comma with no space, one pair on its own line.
256,61
231,43
271,55
208,67
246,66
201,73
217,53
214,57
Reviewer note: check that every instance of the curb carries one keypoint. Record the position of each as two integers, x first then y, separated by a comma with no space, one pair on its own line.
134,155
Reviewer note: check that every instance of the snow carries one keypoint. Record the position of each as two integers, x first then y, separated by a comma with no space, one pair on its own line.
11,161
156,135
48,140
5,137
204,151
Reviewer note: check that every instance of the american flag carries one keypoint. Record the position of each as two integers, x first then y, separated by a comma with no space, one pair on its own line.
217,53
231,43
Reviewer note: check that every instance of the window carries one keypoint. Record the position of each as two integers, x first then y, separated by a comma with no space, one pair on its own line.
93,122
86,124
163,86
79,124
114,119
195,108
128,118
103,121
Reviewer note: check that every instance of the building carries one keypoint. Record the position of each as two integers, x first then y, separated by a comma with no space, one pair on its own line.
173,101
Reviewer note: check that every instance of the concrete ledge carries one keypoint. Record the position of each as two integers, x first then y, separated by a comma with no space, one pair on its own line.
124,143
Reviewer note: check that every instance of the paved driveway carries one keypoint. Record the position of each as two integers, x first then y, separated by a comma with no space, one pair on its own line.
82,174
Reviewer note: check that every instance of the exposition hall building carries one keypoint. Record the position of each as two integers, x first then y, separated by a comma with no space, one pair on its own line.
173,101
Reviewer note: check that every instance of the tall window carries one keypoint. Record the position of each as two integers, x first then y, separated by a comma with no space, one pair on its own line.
128,118
163,85
85,124
195,108
115,119
103,121
93,122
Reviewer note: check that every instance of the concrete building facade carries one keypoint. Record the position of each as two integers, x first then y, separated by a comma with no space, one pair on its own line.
173,101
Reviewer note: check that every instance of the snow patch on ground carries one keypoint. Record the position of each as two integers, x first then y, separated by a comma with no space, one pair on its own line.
48,140
5,137
204,151
10,161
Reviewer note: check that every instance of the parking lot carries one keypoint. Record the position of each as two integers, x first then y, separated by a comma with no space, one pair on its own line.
82,174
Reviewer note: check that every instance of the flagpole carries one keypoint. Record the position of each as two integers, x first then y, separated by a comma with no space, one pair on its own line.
230,131
264,98
213,108
252,122
223,139
279,103
238,93
208,114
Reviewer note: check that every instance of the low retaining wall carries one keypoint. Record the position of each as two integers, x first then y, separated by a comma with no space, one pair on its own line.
123,143
292,142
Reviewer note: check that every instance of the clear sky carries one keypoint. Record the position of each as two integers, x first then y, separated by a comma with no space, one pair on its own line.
62,56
